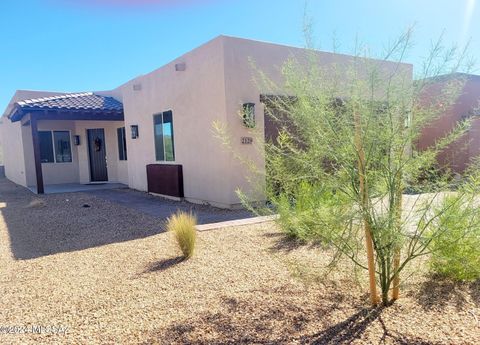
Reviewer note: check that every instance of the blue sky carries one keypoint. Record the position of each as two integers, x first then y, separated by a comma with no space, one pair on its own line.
82,45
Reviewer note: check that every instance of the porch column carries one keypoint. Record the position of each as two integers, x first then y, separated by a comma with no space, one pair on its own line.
36,154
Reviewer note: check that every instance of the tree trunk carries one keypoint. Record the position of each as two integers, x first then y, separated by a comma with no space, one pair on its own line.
398,224
364,201
385,297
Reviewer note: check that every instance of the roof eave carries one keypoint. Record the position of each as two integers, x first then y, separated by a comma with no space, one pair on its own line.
16,114
19,112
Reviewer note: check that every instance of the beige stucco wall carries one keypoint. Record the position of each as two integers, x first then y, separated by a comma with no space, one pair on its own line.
58,173
197,98
14,138
28,157
218,79
12,146
243,60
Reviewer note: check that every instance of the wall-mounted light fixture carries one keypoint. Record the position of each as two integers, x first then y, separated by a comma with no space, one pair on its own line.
76,140
134,129
248,114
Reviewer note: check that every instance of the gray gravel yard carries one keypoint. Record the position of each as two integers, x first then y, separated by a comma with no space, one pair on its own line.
76,221
56,223
163,208
107,274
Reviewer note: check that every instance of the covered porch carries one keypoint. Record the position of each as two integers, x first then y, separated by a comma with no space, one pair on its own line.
72,142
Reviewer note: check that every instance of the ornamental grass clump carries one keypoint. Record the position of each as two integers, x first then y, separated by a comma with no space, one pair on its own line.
182,226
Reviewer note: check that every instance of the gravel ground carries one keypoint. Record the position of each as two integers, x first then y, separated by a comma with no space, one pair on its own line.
110,276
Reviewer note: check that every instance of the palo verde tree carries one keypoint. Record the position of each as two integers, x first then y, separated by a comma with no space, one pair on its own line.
345,154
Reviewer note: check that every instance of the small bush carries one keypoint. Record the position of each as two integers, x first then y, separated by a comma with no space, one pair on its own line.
308,214
182,226
456,252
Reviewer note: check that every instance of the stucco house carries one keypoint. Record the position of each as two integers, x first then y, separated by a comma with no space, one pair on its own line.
459,154
154,133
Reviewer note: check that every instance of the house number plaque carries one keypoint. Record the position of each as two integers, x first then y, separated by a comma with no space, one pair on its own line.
247,140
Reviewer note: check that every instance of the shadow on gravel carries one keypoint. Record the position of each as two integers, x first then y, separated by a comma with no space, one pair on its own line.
40,225
475,292
345,331
276,317
163,265
285,243
49,224
352,328
438,292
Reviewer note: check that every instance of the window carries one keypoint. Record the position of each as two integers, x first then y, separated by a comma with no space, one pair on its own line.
57,142
46,147
122,144
164,144
63,151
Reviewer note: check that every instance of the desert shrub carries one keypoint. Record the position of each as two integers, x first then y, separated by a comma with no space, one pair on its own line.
182,226
310,213
456,246
431,180
343,157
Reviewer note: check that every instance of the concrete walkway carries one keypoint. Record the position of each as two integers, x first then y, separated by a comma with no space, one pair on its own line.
164,208
77,187
237,222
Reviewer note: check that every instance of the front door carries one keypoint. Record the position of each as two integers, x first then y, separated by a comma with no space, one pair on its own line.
97,154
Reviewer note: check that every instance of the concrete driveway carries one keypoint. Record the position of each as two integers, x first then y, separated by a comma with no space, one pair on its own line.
163,208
